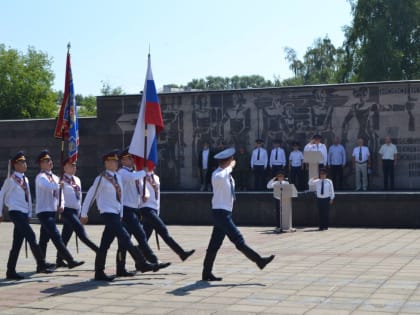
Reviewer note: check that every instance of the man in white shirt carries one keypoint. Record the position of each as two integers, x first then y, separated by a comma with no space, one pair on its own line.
72,191
108,193
361,163
132,182
222,205
296,167
325,196
277,180
316,145
16,195
259,161
205,166
389,153
277,158
49,200
337,162
149,211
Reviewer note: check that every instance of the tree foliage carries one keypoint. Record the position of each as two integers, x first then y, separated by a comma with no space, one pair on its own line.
383,42
107,89
26,84
235,82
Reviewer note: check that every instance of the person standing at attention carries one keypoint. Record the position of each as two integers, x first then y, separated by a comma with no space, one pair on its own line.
222,205
389,153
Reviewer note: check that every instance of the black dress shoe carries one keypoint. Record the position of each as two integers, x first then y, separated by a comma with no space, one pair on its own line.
43,269
265,261
125,273
61,264
50,266
147,267
101,276
13,275
187,254
210,277
163,265
74,263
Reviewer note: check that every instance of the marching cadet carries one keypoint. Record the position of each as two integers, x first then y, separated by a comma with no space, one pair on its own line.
277,180
132,187
48,202
325,196
109,193
16,195
222,204
72,191
149,211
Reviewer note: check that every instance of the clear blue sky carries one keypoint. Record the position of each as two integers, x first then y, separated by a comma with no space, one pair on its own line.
188,38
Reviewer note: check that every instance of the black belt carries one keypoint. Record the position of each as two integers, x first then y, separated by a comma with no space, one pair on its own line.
361,162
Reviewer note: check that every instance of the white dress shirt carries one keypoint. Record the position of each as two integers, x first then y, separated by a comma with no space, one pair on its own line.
388,151
47,193
328,187
13,196
106,196
365,154
273,183
281,157
223,186
205,158
132,190
336,155
318,147
296,158
70,195
263,158
153,197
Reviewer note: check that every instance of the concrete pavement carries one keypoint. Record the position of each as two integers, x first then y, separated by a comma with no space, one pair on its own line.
339,271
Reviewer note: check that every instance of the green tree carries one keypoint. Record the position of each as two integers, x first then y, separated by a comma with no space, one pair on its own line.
107,89
26,84
87,105
235,82
383,42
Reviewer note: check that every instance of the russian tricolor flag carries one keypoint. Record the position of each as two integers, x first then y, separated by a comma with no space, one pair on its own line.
149,124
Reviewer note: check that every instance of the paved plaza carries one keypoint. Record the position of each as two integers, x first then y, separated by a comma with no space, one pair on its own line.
339,271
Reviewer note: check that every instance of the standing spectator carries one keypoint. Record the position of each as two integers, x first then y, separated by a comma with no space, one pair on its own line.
361,163
389,152
316,145
277,158
259,161
204,166
325,196
277,180
296,167
336,162
242,168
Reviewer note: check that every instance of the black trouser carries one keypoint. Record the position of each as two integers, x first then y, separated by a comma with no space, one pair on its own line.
324,212
151,221
241,179
22,230
388,169
259,177
114,228
49,231
223,225
337,176
72,223
275,169
295,176
278,212
133,226
205,178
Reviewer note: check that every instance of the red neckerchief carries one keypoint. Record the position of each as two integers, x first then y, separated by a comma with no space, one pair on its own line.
51,179
113,180
22,183
72,183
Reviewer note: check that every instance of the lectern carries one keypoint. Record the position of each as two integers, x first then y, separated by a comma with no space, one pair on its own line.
285,192
313,158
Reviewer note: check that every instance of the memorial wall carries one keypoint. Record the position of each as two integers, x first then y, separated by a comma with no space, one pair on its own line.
238,117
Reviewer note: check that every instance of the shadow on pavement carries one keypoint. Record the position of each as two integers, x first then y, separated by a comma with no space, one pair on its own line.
199,285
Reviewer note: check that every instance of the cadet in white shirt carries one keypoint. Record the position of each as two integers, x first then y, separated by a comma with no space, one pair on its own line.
277,180
149,211
132,182
72,191
259,162
277,158
337,162
222,205
389,154
108,193
296,167
325,196
316,145
49,200
16,195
